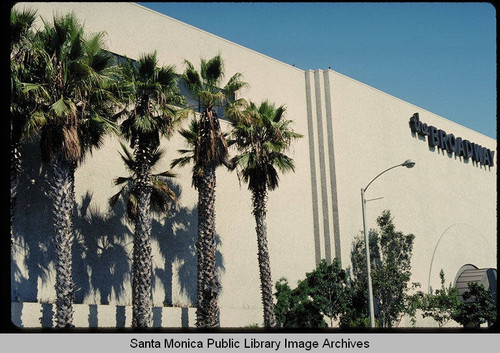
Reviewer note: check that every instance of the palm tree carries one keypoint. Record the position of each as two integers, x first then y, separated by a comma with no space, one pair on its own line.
261,136
151,112
72,86
161,193
208,150
21,106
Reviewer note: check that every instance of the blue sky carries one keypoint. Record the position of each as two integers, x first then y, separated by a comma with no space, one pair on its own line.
439,56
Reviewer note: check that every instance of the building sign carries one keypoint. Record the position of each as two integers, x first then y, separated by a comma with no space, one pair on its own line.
448,142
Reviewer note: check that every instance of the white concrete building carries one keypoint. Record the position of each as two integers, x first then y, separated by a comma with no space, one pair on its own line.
352,132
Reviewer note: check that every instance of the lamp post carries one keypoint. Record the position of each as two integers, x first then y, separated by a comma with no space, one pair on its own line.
408,164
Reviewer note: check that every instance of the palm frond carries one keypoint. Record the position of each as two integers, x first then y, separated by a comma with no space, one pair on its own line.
155,156
211,99
213,70
63,108
273,146
121,180
280,111
166,76
234,111
283,162
191,77
132,206
166,174
163,189
191,133
20,24
33,125
147,64
262,137
234,84
127,158
181,161
38,90
272,178
114,199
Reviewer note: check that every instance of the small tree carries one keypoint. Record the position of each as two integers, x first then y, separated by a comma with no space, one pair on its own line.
295,308
283,295
329,289
441,306
324,292
478,307
390,254
356,314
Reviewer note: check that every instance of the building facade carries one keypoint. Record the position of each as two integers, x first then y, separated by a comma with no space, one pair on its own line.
352,132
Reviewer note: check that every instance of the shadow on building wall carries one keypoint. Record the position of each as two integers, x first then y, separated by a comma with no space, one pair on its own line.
177,245
32,247
101,263
102,250
176,240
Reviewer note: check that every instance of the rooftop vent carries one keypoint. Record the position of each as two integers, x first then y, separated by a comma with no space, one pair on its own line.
470,273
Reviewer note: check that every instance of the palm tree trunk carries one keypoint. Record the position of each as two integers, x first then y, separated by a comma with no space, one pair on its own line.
142,255
15,170
200,312
64,202
142,264
259,198
208,287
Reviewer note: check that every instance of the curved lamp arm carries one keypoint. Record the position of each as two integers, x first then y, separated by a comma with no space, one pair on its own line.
408,164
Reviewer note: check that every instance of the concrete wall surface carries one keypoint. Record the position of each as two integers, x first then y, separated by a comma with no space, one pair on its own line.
40,315
34,315
446,201
103,246
351,133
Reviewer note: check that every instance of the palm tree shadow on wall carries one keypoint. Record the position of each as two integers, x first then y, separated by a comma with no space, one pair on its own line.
32,248
101,262
102,250
177,239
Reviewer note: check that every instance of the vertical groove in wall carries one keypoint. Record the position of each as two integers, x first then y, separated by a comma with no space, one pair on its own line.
322,162
331,155
312,161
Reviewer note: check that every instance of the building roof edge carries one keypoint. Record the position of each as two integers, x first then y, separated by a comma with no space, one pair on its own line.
214,35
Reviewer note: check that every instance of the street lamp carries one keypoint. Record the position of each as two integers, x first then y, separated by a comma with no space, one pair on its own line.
408,164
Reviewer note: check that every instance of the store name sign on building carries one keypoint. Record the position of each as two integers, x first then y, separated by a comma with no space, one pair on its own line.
450,143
